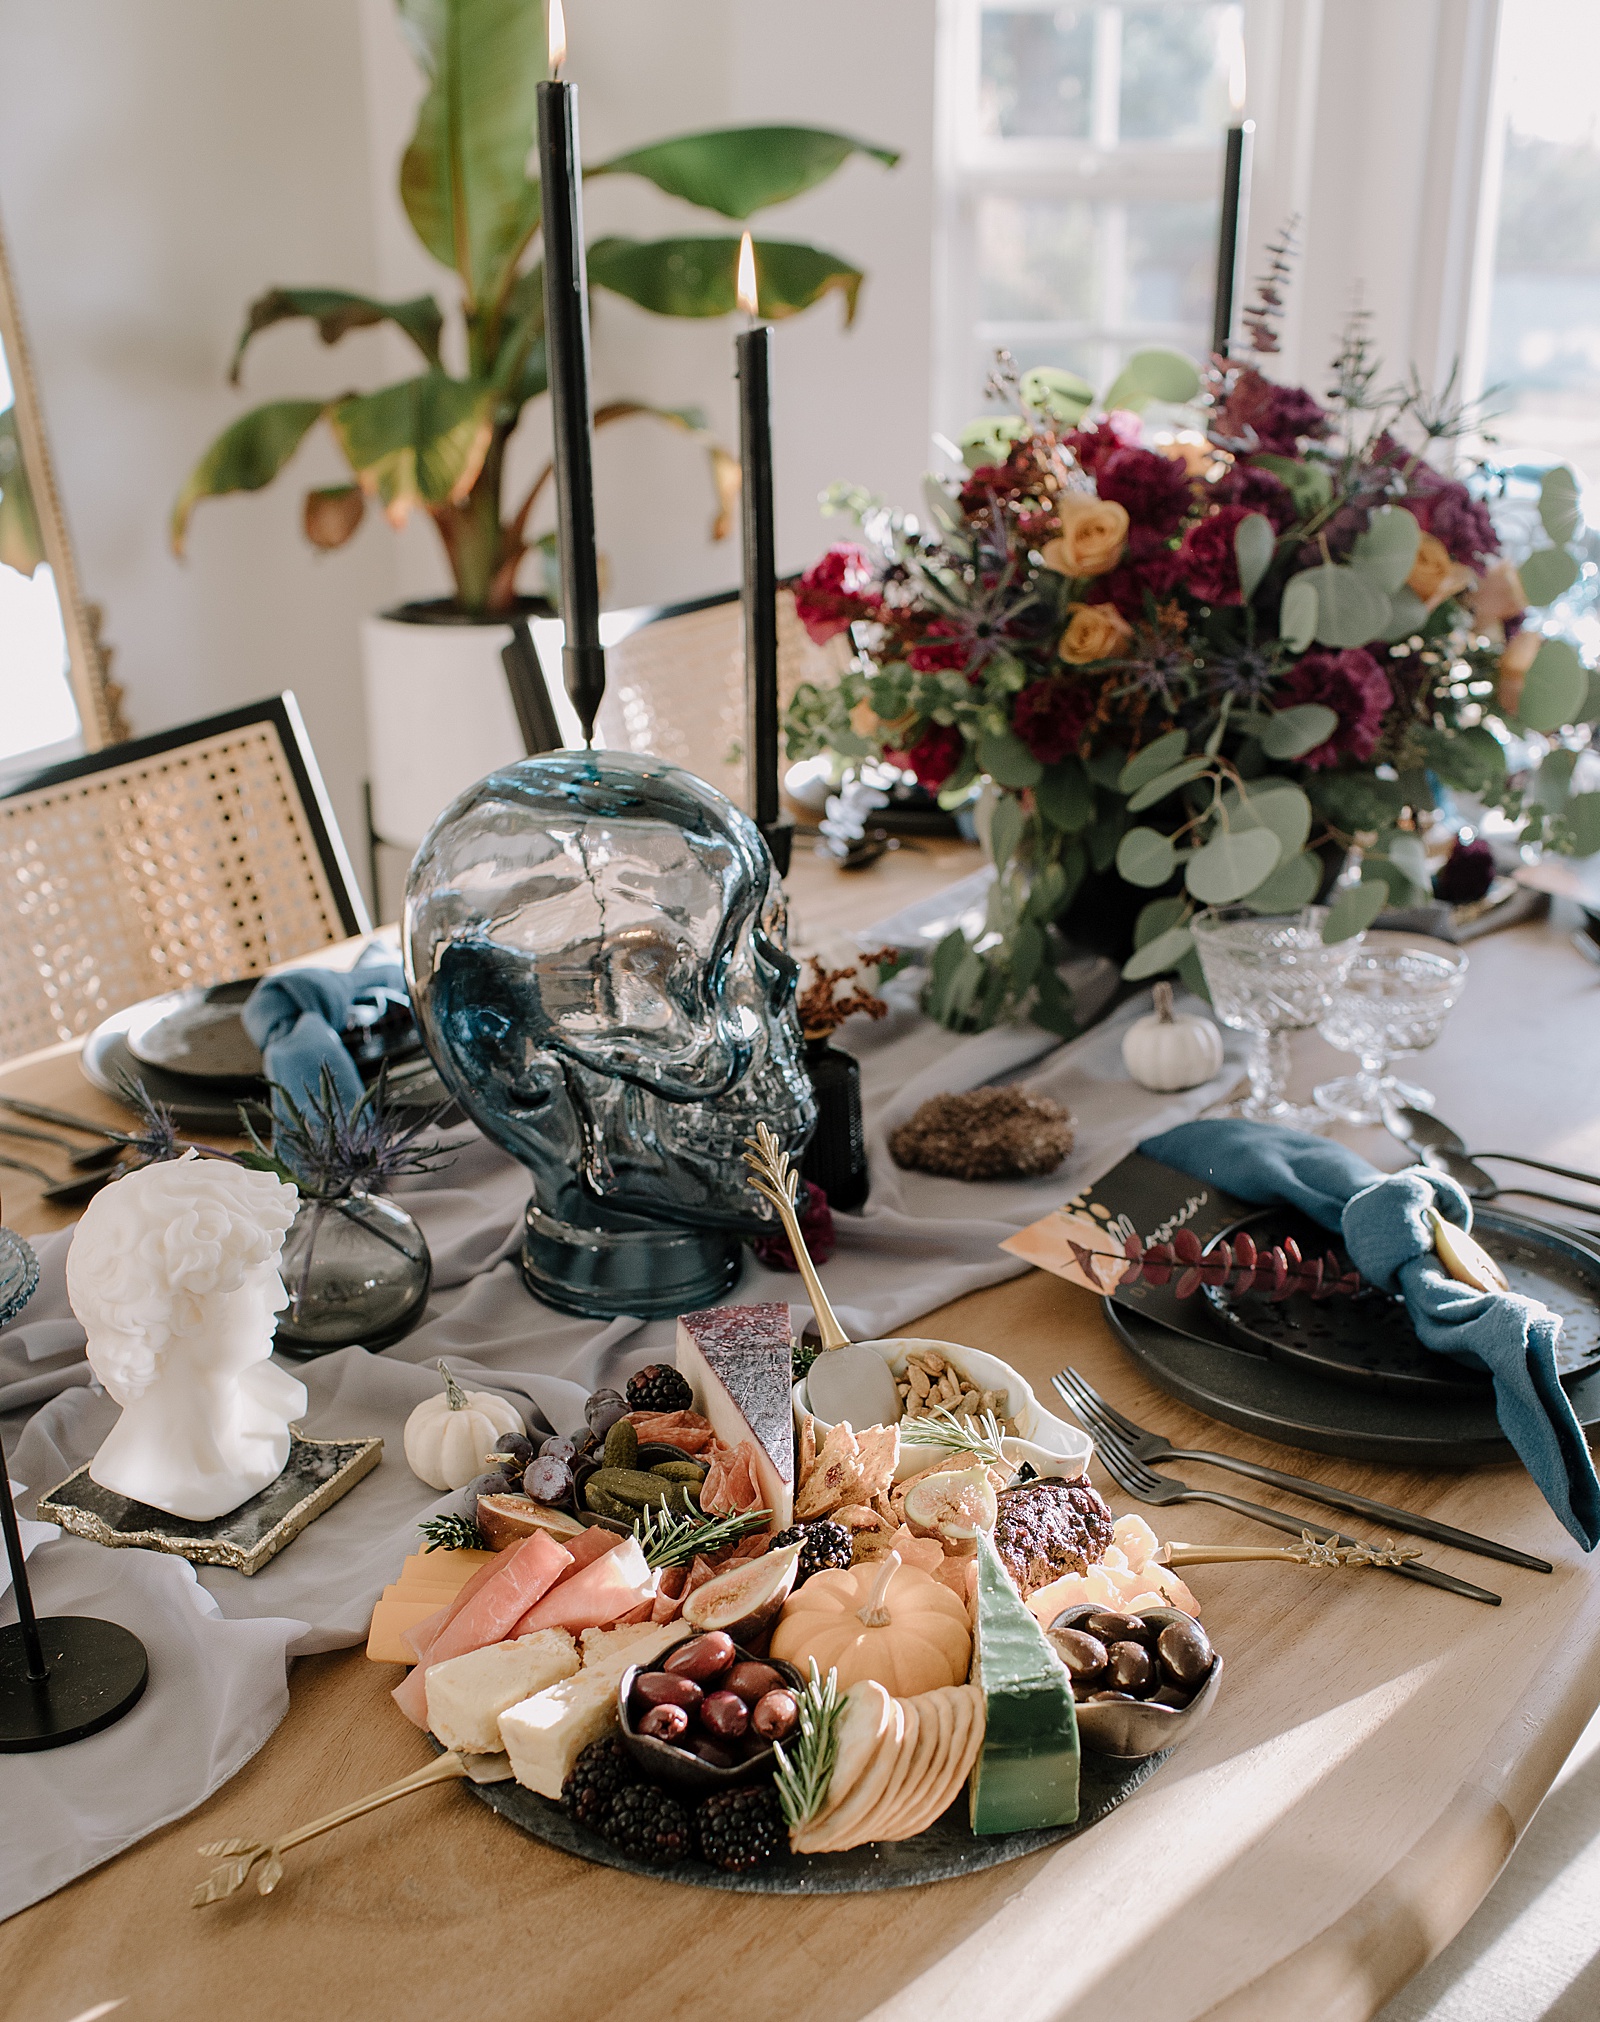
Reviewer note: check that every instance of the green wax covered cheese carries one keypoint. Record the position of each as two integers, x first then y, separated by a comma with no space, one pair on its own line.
1027,1771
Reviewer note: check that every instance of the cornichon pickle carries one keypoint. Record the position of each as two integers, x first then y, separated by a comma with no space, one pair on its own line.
622,1445
673,1470
606,1505
628,1485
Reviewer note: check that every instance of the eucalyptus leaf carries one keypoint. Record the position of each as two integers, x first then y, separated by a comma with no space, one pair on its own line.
1407,614
1291,733
1228,865
1153,760
1293,884
1153,374
1582,818
1005,829
987,440
1167,782
1253,545
1008,761
1062,395
1354,909
1552,783
1146,857
1297,614
1351,605
1309,484
1271,803
1547,573
698,277
1164,952
741,170
1560,512
1064,796
1104,836
1405,851
1387,548
1157,916
1555,689
1472,759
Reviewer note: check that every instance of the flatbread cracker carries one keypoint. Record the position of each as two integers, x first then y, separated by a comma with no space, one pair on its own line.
878,1822
966,1740
835,1479
864,1726
840,1829
878,1455
903,1802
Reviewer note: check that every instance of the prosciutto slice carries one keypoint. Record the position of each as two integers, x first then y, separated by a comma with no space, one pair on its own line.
489,1614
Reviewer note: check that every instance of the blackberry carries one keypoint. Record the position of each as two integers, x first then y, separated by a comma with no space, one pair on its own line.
742,1828
601,1771
659,1387
649,1823
821,1544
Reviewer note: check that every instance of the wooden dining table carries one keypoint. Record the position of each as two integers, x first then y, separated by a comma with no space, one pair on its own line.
1375,1751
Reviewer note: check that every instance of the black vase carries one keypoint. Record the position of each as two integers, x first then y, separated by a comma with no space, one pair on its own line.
836,1158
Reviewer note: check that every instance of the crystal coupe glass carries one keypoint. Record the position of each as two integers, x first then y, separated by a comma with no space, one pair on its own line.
595,947
1392,1001
1270,975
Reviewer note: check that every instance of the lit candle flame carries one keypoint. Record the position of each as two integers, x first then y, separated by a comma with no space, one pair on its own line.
747,271
1237,84
556,29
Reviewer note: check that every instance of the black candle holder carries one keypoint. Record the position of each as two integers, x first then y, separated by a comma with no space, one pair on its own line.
66,1676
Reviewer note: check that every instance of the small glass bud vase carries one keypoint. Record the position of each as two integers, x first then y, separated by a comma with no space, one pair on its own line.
357,1269
836,1157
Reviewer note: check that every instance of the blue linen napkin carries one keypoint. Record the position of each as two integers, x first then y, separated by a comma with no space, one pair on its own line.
1384,1222
296,1019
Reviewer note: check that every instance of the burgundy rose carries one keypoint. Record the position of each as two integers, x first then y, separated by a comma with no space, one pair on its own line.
1153,490
1354,687
934,756
834,592
1050,717
938,650
1209,565
1150,570
1258,491
1279,416
1102,439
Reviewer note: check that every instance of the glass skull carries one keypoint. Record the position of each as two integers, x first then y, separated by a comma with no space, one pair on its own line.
595,948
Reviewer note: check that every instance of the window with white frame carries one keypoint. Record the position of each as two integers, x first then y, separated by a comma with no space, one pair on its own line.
1082,156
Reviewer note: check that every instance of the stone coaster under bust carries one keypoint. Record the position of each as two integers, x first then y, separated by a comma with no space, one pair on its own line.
316,1474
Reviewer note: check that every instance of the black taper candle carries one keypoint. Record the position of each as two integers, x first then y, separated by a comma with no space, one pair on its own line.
566,322
754,348
1228,233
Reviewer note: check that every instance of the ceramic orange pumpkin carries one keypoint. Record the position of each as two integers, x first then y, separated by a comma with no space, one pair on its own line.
884,1621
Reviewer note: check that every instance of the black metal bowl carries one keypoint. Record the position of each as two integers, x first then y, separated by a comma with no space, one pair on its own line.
1130,1729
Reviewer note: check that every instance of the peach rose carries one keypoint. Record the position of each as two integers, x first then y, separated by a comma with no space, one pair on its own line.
1515,661
1093,534
1094,632
1499,596
1192,450
1435,575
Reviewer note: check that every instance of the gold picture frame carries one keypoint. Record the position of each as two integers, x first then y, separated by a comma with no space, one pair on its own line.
98,697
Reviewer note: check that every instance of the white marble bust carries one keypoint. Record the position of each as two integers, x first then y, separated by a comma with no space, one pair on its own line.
174,1273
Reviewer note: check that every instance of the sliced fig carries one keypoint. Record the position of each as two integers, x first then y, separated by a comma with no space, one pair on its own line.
953,1506
508,1519
746,1600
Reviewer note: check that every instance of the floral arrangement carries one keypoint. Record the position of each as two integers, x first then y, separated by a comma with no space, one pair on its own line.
1201,666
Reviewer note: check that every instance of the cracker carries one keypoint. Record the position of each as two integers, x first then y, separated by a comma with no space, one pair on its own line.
867,1719
903,1803
839,1828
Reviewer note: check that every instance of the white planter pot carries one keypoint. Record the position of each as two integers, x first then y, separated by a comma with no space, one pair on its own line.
439,717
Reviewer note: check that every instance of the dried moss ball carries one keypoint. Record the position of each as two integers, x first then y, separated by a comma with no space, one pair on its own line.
989,1133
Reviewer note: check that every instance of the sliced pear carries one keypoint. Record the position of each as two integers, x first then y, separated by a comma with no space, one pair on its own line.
1464,1257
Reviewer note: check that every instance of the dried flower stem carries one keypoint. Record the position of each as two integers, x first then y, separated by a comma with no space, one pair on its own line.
1238,1267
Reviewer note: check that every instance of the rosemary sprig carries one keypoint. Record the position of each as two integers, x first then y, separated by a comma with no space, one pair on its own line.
452,1534
669,1540
804,1776
981,1437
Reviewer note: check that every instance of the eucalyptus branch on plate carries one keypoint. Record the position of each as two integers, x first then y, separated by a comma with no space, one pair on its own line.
805,1766
1238,1267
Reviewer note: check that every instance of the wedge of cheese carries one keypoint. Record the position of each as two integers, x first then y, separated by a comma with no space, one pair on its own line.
1026,1774
738,1360
467,1694
545,1734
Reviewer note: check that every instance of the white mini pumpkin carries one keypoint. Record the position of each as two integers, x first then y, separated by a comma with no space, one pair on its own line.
448,1436
1165,1051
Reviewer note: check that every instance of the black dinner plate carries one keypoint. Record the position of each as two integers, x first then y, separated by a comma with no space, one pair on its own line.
1290,1404
946,1850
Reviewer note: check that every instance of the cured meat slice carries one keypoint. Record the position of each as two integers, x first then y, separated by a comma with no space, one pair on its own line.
489,1614
604,1591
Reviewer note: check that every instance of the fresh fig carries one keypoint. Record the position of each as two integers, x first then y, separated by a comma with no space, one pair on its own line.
508,1519
953,1506
747,1599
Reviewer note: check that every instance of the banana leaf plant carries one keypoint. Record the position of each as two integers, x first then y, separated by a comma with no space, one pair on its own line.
437,441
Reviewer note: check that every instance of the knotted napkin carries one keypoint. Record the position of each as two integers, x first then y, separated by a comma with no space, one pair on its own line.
296,1020
1385,1224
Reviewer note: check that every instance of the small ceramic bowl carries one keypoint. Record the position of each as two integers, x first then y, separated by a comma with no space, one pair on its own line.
1050,1444
664,1763
1130,1729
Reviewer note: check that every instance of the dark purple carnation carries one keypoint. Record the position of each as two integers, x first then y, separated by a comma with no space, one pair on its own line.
1051,716
1258,491
1210,566
1153,490
1279,416
1466,873
1150,570
1354,687
1451,514
834,592
1100,440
